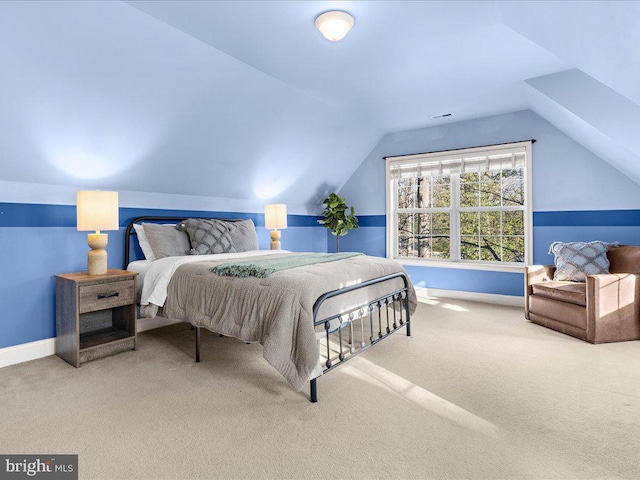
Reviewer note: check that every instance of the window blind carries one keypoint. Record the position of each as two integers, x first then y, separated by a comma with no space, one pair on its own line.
511,158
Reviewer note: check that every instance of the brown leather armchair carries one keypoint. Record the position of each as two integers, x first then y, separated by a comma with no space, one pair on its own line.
606,308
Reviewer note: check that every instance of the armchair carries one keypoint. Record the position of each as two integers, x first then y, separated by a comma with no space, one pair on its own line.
606,308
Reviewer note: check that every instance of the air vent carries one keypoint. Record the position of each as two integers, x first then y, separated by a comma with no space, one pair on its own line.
442,115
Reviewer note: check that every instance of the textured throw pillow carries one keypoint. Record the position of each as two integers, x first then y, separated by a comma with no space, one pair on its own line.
243,235
208,236
166,240
143,242
575,260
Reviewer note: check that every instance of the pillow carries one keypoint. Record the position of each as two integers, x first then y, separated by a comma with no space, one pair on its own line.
207,236
166,240
243,235
575,260
143,242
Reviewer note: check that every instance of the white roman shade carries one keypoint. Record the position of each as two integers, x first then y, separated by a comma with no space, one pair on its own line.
456,162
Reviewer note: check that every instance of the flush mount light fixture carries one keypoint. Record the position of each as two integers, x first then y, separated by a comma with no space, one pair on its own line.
334,25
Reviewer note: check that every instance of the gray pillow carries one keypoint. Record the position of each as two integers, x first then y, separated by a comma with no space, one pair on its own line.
166,240
575,260
243,235
208,236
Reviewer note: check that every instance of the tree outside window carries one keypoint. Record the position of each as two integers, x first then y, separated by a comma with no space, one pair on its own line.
469,209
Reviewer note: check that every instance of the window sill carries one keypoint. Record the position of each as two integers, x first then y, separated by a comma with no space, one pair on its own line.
461,265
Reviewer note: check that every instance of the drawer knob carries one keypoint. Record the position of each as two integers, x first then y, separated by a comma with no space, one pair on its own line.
107,295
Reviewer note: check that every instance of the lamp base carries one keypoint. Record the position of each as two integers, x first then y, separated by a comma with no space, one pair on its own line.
275,240
97,256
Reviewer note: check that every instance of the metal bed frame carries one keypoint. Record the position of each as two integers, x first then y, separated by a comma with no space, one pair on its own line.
354,318
358,314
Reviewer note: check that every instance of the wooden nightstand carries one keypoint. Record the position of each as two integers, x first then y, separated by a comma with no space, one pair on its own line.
95,315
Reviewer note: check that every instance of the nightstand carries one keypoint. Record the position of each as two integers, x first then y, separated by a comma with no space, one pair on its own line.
95,315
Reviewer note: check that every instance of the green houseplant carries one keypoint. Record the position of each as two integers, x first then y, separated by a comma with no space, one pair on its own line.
336,217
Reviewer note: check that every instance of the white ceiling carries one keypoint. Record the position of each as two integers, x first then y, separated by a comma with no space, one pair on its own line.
245,99
401,63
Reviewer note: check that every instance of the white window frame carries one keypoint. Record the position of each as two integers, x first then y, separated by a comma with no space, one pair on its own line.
455,261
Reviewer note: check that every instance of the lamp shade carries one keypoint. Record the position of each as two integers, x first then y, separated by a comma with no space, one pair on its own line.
275,216
334,25
97,210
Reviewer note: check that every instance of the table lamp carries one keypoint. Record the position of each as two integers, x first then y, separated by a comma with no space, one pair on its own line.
275,217
97,210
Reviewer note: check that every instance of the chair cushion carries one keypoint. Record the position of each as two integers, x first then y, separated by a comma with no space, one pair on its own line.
575,260
570,292
559,313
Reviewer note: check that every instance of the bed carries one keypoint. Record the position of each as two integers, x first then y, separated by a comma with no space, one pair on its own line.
310,312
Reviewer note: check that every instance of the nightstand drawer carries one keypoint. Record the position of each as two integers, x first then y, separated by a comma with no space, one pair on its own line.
106,295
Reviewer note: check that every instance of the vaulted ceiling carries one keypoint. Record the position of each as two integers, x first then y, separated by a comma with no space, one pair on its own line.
246,99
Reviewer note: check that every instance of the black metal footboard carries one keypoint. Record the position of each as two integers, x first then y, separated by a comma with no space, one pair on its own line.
367,324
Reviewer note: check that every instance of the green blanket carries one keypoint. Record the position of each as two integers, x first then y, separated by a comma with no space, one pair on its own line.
264,267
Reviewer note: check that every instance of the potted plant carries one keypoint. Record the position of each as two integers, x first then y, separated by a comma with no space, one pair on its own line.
336,217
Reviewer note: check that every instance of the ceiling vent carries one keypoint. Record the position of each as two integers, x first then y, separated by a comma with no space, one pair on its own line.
442,115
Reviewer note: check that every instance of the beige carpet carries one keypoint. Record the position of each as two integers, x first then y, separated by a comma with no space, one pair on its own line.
477,393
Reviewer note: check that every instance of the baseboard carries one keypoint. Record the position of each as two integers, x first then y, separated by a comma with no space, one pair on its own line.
43,348
27,351
494,298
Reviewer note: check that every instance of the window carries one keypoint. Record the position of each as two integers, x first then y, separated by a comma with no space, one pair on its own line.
465,206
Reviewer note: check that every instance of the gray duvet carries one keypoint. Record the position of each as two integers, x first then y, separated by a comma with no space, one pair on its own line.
276,311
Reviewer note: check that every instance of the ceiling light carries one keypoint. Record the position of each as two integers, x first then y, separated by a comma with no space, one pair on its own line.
334,25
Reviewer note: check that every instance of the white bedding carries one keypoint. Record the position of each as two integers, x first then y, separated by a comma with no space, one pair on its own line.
140,267
157,274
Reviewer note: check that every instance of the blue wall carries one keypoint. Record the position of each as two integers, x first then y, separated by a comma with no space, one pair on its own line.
576,195
38,241
368,238
608,225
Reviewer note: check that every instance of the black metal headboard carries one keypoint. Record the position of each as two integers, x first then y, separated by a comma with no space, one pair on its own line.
131,231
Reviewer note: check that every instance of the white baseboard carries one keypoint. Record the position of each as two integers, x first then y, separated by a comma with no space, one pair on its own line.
43,348
27,351
508,300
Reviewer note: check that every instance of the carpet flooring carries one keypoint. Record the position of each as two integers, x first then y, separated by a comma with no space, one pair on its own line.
477,393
